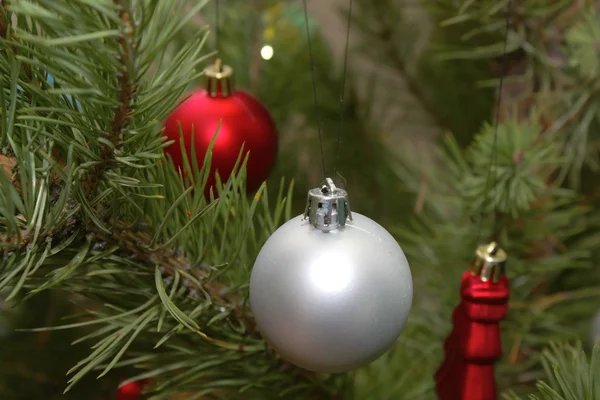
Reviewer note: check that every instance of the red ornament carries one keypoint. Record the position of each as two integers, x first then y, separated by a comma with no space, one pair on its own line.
131,390
473,346
244,122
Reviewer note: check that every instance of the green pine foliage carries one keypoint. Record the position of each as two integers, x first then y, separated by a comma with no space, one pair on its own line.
92,207
549,233
120,268
544,218
571,375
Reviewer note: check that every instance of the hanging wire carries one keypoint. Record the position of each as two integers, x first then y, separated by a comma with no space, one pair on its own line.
343,93
314,84
217,27
343,90
494,156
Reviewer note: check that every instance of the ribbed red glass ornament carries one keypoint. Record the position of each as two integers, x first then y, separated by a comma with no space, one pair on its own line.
243,120
473,346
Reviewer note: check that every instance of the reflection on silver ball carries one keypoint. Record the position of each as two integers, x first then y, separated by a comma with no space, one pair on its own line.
331,301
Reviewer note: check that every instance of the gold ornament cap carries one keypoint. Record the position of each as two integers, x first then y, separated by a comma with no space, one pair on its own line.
219,79
490,262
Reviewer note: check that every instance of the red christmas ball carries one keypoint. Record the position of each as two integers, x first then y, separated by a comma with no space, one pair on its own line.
243,120
130,391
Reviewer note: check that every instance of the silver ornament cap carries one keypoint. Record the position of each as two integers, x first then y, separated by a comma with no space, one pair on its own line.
327,207
330,290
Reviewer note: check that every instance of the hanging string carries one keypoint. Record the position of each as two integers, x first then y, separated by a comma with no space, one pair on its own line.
494,155
343,93
217,27
343,90
314,84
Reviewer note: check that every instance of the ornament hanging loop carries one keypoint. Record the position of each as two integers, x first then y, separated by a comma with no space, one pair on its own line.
218,66
219,79
327,207
490,262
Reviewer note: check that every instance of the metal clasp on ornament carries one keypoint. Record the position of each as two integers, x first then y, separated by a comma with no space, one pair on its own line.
327,207
490,262
219,79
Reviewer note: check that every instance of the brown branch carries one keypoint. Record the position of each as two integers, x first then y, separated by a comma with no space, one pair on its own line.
20,240
127,90
136,243
564,20
11,242
3,17
421,193
396,60
8,163
118,124
127,44
4,33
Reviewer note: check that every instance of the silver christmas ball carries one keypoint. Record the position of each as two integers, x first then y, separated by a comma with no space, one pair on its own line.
330,290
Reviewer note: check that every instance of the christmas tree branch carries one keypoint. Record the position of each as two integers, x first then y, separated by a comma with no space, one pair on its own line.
5,21
134,245
195,294
570,374
386,27
137,244
126,78
547,231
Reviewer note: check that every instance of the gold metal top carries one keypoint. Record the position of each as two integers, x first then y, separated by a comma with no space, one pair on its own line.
490,262
219,79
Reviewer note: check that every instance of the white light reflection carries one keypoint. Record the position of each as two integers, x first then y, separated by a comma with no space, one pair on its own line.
331,273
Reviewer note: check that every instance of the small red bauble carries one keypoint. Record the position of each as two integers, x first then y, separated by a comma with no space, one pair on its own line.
243,120
131,390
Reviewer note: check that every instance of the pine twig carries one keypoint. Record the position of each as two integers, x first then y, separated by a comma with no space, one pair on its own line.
137,243
8,163
3,25
564,20
4,17
385,34
122,113
127,90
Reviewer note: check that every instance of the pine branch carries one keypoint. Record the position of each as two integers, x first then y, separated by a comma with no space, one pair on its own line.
189,284
4,30
570,374
399,64
386,23
125,96
4,21
8,164
548,231
137,245
167,271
